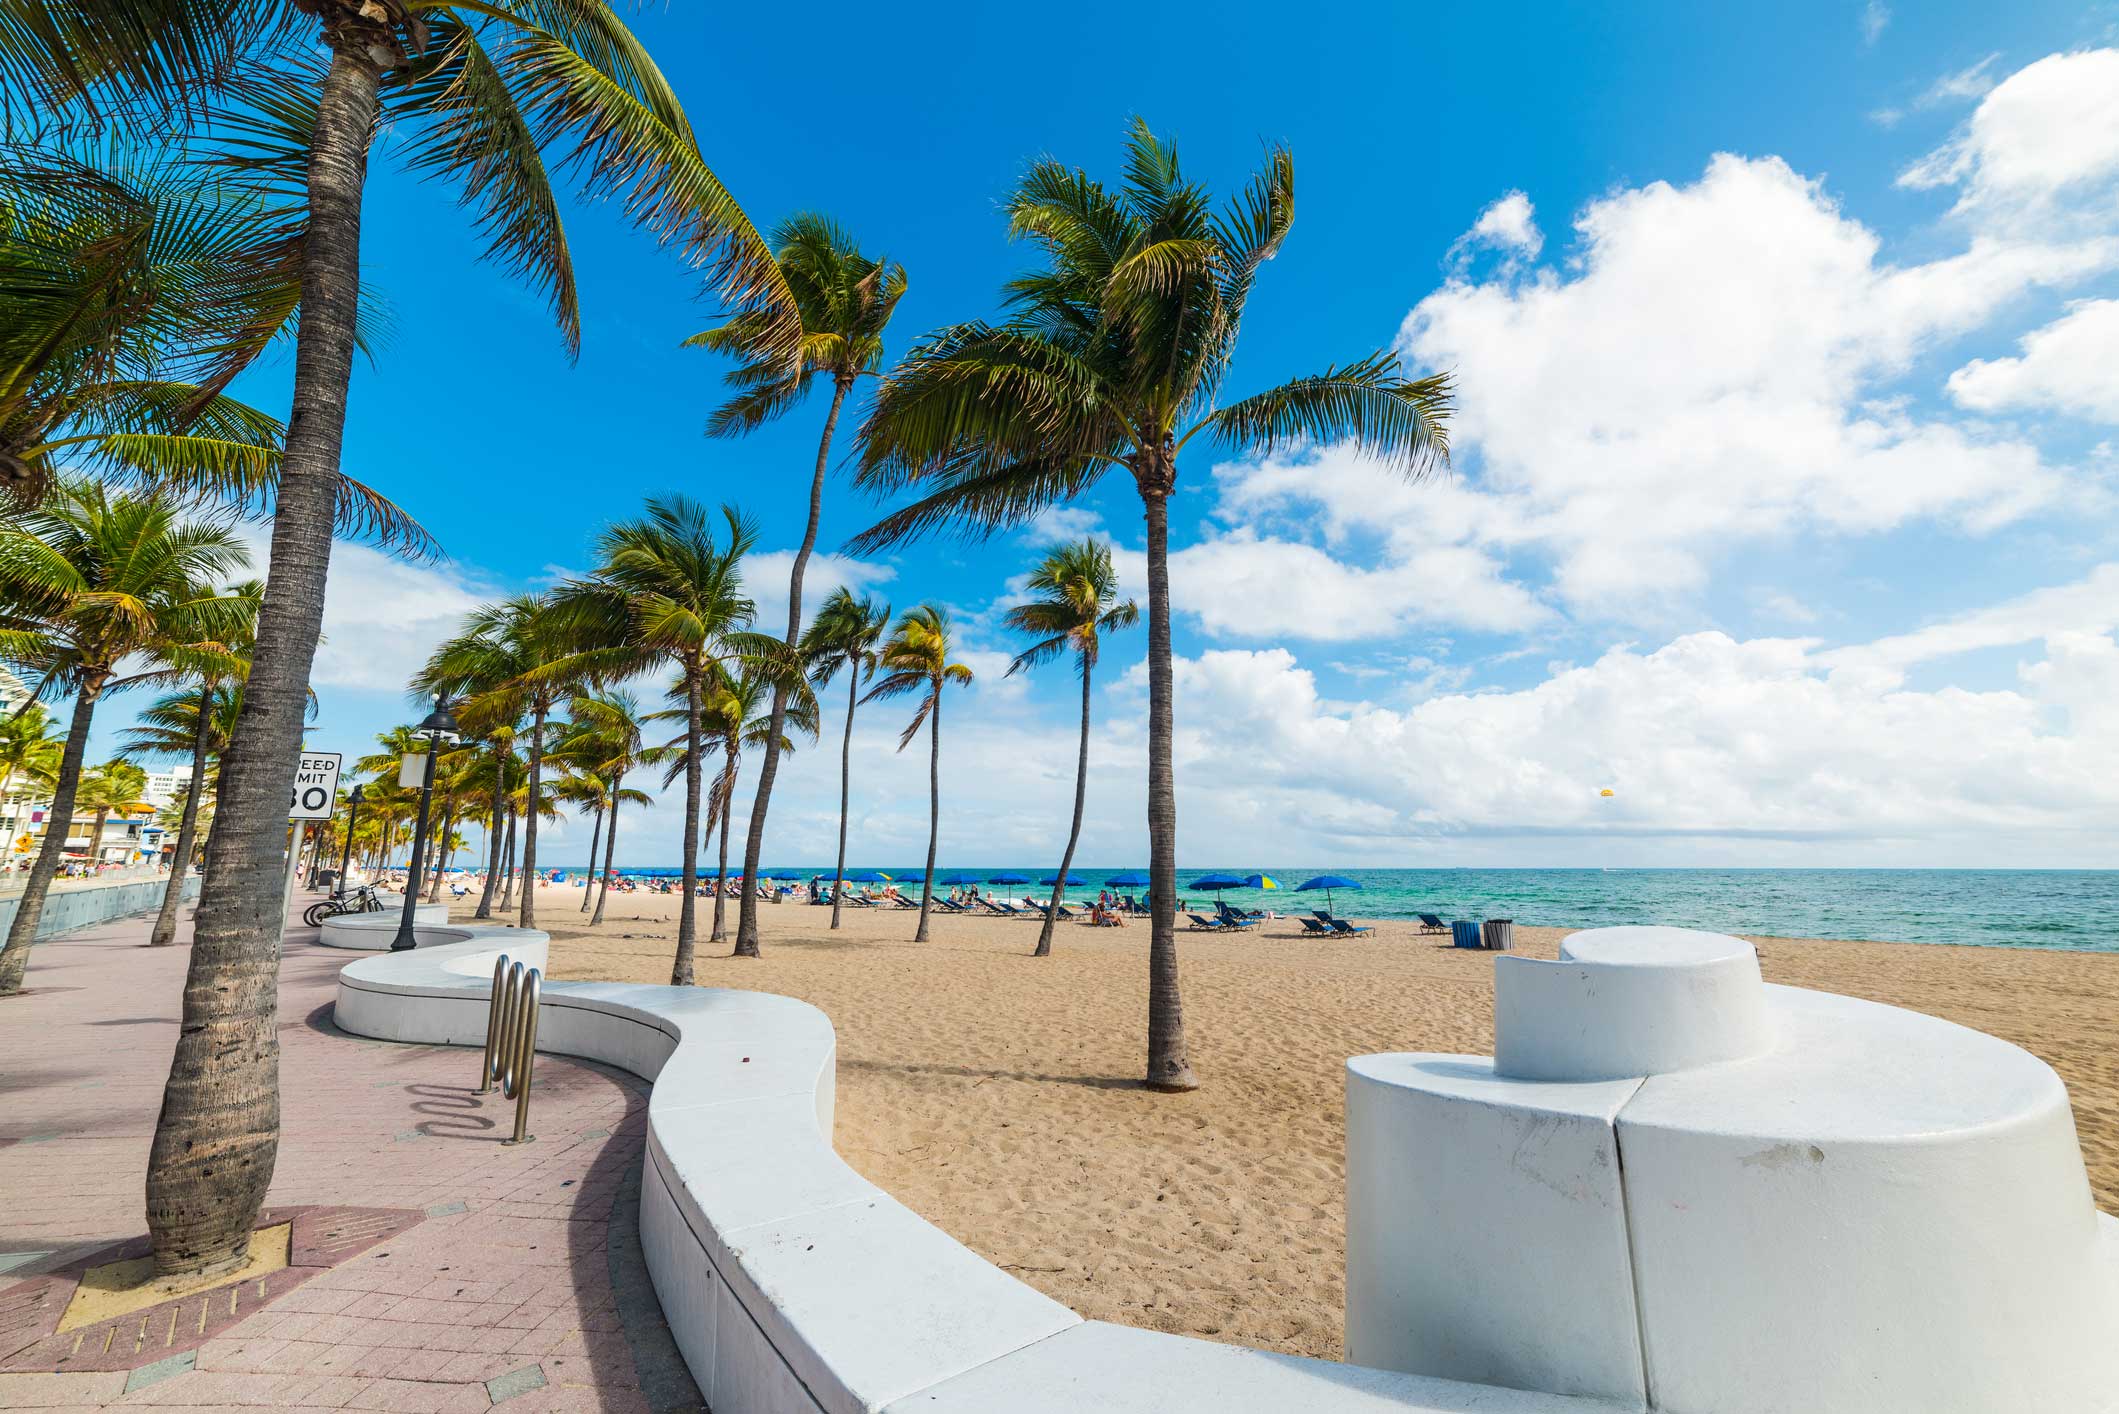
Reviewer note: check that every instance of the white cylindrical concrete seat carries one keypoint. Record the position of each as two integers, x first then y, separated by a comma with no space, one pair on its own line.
1776,1200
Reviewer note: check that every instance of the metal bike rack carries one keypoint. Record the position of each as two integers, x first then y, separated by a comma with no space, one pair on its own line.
511,1039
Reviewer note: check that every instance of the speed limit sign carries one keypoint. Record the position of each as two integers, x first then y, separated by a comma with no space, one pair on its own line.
315,792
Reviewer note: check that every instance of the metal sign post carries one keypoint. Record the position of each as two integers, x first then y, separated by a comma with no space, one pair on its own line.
313,796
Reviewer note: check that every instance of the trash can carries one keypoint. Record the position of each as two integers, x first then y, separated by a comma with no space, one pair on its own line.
1500,934
1464,933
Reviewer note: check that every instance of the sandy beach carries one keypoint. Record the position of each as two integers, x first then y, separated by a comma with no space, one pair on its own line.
994,1093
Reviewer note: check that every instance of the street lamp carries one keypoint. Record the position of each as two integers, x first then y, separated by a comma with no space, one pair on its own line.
439,727
345,859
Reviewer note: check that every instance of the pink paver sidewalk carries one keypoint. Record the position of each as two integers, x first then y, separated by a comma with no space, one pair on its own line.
504,1290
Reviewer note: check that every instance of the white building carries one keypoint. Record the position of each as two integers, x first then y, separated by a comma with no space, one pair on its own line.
167,787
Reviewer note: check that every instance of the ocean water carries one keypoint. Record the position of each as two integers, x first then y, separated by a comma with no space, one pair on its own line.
2019,908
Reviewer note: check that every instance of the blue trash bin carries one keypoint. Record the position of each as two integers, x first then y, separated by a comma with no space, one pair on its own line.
1465,933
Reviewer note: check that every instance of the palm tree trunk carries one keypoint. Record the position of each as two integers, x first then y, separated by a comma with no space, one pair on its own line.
687,907
165,929
529,817
1168,1068
588,885
728,800
610,851
769,768
95,837
441,849
217,1137
14,958
853,696
934,806
507,866
493,836
1074,831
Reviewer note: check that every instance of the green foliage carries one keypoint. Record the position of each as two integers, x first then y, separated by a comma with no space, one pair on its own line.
134,285
1112,355
916,659
1072,589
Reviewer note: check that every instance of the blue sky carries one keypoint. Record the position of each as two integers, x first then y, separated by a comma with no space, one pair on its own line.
1736,300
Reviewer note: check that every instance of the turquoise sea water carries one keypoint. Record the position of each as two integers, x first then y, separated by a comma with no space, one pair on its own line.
2020,908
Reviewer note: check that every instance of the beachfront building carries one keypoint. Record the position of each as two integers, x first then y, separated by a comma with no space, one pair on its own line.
167,787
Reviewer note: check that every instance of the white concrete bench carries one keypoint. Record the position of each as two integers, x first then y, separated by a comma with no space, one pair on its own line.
791,1283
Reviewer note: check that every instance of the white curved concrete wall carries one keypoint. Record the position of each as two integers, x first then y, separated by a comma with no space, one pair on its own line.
371,932
791,1283
1880,1211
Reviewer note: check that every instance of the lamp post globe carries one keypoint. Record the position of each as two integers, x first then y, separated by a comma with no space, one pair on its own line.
439,727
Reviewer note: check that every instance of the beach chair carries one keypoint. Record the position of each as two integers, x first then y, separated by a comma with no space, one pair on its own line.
1006,910
1207,925
1066,912
1134,905
1322,916
1344,929
1432,923
1311,928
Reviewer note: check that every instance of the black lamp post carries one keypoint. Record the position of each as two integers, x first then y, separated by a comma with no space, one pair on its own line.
439,727
345,859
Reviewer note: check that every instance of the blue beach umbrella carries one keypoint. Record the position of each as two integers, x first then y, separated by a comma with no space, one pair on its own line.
1218,882
866,876
953,880
1009,879
1260,881
1072,882
1127,881
1327,882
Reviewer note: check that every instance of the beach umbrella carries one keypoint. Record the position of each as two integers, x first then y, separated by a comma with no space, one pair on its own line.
953,880
1261,881
1218,882
1072,882
866,876
1327,882
1009,879
1127,881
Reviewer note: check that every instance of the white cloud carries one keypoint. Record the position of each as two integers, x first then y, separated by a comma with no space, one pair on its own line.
383,617
1057,523
1509,225
1964,86
2071,365
1705,374
1875,17
765,575
2040,153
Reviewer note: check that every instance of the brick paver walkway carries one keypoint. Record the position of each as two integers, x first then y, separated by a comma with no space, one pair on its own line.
518,1284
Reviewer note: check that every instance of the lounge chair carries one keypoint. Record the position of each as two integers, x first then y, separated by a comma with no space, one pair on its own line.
1347,930
1006,910
1322,916
1134,905
949,905
1208,925
1311,928
1432,923
1066,912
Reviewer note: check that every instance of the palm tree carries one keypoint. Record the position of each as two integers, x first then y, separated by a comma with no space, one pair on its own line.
731,720
667,592
1112,357
30,750
480,92
1073,587
195,724
116,785
510,662
90,580
142,282
844,301
843,636
916,659
606,741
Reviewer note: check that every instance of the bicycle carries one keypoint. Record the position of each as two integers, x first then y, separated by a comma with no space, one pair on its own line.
362,900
